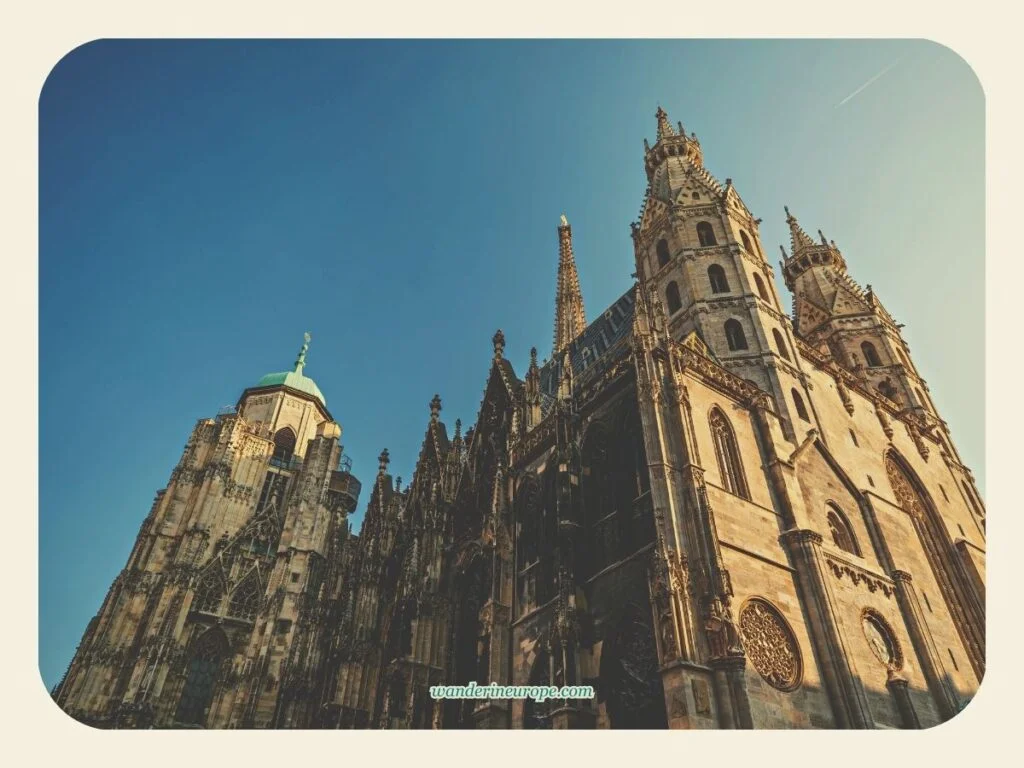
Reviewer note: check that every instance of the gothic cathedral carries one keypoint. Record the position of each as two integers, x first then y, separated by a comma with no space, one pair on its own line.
716,514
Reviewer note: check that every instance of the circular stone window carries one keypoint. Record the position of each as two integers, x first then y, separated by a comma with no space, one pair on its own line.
770,644
881,640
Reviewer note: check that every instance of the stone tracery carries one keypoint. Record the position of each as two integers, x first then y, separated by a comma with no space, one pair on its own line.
770,644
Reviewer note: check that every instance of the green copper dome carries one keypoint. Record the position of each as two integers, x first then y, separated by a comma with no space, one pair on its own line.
295,379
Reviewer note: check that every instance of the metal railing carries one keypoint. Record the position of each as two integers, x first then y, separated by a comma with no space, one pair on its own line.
289,462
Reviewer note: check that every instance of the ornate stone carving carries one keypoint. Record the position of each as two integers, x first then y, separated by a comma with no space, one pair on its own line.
701,696
859,576
906,495
882,640
723,638
883,419
770,645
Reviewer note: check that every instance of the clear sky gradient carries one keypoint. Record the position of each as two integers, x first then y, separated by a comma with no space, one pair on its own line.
204,203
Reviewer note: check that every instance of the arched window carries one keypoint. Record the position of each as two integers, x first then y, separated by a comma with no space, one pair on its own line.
920,398
746,242
870,354
973,502
284,445
696,195
780,343
662,250
538,714
206,655
761,287
717,277
245,600
734,335
706,234
730,468
209,594
798,401
672,298
842,533
909,494
629,675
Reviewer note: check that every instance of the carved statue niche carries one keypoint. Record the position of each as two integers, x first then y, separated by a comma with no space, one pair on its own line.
720,630
661,595
888,389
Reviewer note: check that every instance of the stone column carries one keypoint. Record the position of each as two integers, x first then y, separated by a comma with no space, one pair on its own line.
897,686
731,690
924,645
726,710
841,682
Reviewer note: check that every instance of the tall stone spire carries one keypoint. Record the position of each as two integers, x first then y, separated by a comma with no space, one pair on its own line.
665,128
570,320
799,240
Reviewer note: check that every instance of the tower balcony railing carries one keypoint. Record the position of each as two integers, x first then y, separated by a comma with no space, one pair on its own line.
344,463
295,462
286,462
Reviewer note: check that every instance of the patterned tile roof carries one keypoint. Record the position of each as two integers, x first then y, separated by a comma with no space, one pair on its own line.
589,351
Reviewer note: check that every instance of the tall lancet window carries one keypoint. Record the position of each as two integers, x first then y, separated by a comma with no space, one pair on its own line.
706,234
672,298
205,656
662,250
801,409
870,354
284,445
716,275
780,343
842,533
245,600
746,242
730,468
734,335
761,289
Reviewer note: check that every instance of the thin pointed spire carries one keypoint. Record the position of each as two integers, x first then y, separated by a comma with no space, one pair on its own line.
498,340
435,408
383,460
664,126
570,319
300,361
799,239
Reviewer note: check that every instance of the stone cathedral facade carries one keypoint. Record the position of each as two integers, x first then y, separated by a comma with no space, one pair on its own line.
717,514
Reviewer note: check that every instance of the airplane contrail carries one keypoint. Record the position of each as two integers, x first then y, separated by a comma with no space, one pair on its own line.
869,82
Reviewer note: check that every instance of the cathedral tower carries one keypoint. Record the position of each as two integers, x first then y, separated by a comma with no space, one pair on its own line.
834,314
713,516
697,248
224,573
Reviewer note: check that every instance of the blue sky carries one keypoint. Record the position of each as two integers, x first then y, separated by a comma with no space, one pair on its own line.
202,203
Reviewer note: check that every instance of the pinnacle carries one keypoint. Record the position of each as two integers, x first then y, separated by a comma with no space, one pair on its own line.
798,238
570,320
664,126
